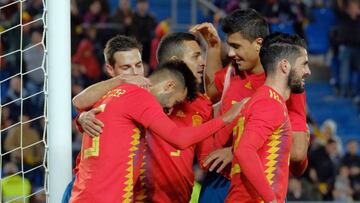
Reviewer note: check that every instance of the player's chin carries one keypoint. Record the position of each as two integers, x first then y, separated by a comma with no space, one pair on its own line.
297,88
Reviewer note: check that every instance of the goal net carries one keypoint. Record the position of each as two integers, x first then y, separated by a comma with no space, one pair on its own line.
24,144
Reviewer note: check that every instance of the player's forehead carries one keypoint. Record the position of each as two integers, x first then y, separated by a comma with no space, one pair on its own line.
303,56
236,38
191,47
132,56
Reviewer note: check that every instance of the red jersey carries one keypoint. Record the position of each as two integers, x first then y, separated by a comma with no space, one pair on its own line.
245,86
168,175
262,142
110,164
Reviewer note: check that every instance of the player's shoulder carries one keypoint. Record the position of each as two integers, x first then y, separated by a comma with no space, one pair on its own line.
266,97
131,88
128,91
200,104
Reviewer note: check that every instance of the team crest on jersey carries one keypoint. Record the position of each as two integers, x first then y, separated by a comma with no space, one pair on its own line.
248,85
180,114
197,120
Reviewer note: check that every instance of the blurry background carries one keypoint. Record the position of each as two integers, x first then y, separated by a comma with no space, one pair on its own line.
330,27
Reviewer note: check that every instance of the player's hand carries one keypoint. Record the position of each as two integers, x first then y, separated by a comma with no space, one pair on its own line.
273,201
90,124
234,111
208,32
136,80
222,156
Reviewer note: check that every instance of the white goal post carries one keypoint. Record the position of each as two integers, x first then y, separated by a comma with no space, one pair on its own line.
59,97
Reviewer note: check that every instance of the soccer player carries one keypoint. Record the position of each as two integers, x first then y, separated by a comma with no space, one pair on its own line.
124,65
110,163
245,31
166,165
262,137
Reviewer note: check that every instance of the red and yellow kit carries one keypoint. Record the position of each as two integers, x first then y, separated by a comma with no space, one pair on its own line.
110,164
262,142
244,85
239,88
168,175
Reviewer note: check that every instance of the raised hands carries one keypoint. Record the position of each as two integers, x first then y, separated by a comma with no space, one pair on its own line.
208,32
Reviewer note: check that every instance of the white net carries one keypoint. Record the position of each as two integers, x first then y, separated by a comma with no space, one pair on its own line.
23,92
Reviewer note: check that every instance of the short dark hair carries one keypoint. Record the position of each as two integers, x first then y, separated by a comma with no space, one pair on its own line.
173,45
119,43
248,22
278,46
178,70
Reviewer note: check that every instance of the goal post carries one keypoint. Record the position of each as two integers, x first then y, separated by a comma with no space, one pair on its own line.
59,97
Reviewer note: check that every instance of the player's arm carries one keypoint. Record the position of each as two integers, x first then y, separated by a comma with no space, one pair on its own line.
86,120
89,96
182,138
250,163
222,157
300,136
265,117
208,33
300,146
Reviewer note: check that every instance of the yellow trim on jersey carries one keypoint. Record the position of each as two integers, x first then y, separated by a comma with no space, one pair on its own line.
94,149
176,153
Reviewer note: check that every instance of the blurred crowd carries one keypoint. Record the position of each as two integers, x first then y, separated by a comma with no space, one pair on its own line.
334,168
333,173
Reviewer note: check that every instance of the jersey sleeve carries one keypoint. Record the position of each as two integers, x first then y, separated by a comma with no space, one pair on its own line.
220,79
296,107
76,121
206,146
263,118
148,112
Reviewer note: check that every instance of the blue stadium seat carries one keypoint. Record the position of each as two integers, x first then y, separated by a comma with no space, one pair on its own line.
317,38
324,104
324,16
283,27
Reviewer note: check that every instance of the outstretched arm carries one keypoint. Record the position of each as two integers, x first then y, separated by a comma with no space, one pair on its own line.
184,137
89,96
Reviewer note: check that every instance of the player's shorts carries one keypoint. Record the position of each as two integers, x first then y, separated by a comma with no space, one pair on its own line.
214,188
67,192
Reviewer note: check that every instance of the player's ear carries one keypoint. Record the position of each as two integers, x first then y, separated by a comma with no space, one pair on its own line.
169,85
258,43
110,70
174,58
284,66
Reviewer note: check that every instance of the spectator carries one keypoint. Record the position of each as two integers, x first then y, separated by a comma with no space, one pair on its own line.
352,160
33,58
24,135
13,95
161,30
342,188
276,11
328,130
85,56
143,27
14,186
95,14
296,192
123,16
349,49
6,121
325,162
